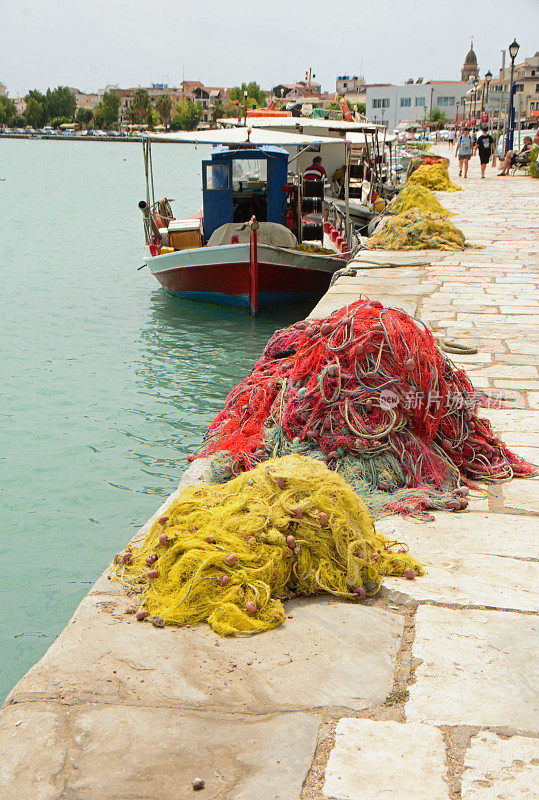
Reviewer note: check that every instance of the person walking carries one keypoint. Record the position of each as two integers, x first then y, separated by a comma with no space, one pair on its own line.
451,138
485,147
464,151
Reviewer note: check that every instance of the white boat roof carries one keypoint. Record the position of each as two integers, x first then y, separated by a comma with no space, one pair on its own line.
358,137
295,122
243,135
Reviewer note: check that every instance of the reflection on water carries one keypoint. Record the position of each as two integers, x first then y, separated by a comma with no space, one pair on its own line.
190,357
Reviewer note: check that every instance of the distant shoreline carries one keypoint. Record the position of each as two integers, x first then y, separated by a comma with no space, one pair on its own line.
70,137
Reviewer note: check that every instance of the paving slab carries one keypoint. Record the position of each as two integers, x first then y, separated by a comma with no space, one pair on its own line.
522,495
123,752
329,653
477,669
386,760
473,559
507,769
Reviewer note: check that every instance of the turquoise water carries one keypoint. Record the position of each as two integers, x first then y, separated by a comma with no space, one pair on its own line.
106,382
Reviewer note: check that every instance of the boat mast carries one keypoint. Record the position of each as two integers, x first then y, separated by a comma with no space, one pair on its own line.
347,193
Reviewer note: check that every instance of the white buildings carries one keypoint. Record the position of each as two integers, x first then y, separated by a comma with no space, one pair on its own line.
412,102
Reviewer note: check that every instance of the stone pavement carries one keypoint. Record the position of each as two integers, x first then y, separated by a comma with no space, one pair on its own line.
426,692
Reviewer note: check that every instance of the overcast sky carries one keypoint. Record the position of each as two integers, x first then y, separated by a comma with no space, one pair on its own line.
134,43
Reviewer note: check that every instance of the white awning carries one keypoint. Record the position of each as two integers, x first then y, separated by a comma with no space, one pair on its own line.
243,135
340,125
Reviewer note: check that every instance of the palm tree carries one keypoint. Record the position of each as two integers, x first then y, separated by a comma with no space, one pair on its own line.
163,106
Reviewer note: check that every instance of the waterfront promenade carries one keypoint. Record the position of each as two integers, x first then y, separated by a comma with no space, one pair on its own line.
425,693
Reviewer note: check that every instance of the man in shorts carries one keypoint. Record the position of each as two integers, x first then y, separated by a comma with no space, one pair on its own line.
485,147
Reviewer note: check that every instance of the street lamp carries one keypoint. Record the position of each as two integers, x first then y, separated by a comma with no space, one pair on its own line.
457,113
514,47
475,82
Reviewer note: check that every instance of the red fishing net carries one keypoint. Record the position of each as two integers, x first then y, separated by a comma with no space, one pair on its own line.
368,391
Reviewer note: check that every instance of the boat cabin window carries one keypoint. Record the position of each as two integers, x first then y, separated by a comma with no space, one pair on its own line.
250,189
253,171
217,176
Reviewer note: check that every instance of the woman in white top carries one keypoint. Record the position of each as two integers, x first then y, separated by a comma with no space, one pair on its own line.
464,151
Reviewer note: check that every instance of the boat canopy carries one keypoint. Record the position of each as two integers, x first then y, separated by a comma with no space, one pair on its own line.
337,125
243,136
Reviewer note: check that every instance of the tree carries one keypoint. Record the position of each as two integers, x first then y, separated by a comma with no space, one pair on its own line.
34,113
163,106
84,116
60,102
217,111
140,104
106,112
58,121
7,110
362,108
254,94
438,117
187,116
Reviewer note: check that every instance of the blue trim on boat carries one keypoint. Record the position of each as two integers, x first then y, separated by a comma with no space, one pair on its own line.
265,299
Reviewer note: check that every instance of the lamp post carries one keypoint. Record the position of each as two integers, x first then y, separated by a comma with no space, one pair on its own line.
514,47
457,114
475,82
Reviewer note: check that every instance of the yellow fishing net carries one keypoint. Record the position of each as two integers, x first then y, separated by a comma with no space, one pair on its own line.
417,230
228,554
434,176
414,195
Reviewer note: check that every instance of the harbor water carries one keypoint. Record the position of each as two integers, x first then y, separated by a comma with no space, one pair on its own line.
106,382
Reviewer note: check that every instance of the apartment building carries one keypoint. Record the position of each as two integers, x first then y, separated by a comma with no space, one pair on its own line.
412,102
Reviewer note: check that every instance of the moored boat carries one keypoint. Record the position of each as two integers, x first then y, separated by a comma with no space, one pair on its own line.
260,239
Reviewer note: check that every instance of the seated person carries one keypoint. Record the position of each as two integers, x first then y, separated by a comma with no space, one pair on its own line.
511,157
316,171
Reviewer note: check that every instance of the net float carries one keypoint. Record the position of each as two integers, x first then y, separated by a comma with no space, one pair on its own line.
251,541
142,614
369,405
274,575
231,559
446,444
209,539
297,513
323,519
198,784
410,573
311,434
224,580
462,490
163,520
384,486
126,558
164,541
376,558
151,559
326,329
401,550
153,573
345,320
281,483
454,505
250,608
302,391
333,456
332,370
360,592
463,503
409,365
376,304
290,541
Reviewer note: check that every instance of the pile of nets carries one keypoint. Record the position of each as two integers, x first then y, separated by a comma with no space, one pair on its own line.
435,177
423,159
416,229
416,196
229,554
368,391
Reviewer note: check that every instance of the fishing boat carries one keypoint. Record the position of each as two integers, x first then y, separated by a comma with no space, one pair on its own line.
260,238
